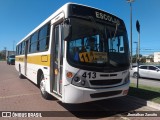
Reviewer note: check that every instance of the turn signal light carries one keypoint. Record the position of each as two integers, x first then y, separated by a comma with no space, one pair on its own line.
69,74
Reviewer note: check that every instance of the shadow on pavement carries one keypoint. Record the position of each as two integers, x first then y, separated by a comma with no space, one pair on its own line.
144,94
102,108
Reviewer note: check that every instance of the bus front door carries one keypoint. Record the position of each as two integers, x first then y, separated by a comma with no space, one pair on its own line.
58,60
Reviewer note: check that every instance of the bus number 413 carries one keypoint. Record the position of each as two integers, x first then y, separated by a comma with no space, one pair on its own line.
89,75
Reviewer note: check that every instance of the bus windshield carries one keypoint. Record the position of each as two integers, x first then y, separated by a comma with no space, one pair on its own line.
96,44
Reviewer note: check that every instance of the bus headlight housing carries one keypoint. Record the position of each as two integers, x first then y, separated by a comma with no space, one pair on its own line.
80,82
76,79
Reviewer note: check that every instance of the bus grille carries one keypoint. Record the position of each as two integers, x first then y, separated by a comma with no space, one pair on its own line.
105,94
105,82
108,75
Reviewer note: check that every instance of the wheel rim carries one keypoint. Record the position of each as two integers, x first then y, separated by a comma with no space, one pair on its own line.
135,75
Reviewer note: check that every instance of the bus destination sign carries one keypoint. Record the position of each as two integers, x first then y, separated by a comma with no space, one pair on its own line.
86,12
106,17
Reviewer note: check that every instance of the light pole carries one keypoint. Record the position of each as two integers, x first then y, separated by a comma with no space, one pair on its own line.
130,2
13,45
138,30
136,50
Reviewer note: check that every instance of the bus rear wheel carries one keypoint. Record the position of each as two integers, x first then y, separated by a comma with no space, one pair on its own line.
20,74
42,86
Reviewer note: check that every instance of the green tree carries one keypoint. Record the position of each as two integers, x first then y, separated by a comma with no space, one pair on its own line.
135,57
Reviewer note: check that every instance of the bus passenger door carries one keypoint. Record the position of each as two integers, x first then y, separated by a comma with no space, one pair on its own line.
25,57
58,60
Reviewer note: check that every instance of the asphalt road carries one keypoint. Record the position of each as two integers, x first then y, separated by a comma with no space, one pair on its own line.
21,95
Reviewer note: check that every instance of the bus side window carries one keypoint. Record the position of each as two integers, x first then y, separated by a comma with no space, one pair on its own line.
33,43
44,38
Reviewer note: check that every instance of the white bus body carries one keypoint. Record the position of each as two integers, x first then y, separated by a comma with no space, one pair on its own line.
47,57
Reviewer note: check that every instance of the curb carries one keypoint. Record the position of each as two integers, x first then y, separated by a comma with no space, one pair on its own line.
146,103
153,105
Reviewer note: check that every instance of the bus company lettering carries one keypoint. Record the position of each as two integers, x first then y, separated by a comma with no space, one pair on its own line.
107,17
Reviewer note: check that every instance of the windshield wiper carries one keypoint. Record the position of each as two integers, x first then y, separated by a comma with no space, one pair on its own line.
115,32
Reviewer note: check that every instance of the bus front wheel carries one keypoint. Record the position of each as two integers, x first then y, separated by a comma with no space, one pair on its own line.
42,86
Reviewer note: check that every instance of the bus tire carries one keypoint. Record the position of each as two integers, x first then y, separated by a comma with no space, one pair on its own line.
42,86
20,74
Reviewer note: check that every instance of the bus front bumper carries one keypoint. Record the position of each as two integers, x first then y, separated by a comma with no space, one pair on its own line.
74,94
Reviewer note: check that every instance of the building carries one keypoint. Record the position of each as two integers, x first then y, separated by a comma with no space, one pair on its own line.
156,56
150,58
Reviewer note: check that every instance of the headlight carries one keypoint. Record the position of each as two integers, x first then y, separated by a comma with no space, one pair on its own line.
79,81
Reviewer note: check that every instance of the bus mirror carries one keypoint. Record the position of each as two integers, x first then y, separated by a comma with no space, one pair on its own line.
66,30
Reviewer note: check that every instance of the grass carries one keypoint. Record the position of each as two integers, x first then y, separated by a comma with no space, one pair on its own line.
145,92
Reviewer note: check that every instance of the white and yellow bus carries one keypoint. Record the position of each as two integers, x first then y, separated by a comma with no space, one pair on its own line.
78,54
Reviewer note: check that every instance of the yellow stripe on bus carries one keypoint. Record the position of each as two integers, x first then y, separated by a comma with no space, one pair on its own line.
38,59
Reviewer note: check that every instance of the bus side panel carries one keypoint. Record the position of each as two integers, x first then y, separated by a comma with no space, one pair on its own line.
19,63
32,72
38,62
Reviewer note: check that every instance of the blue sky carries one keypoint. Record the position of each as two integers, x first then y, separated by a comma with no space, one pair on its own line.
19,17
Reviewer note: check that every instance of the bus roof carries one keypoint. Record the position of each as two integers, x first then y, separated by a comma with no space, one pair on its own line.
60,10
